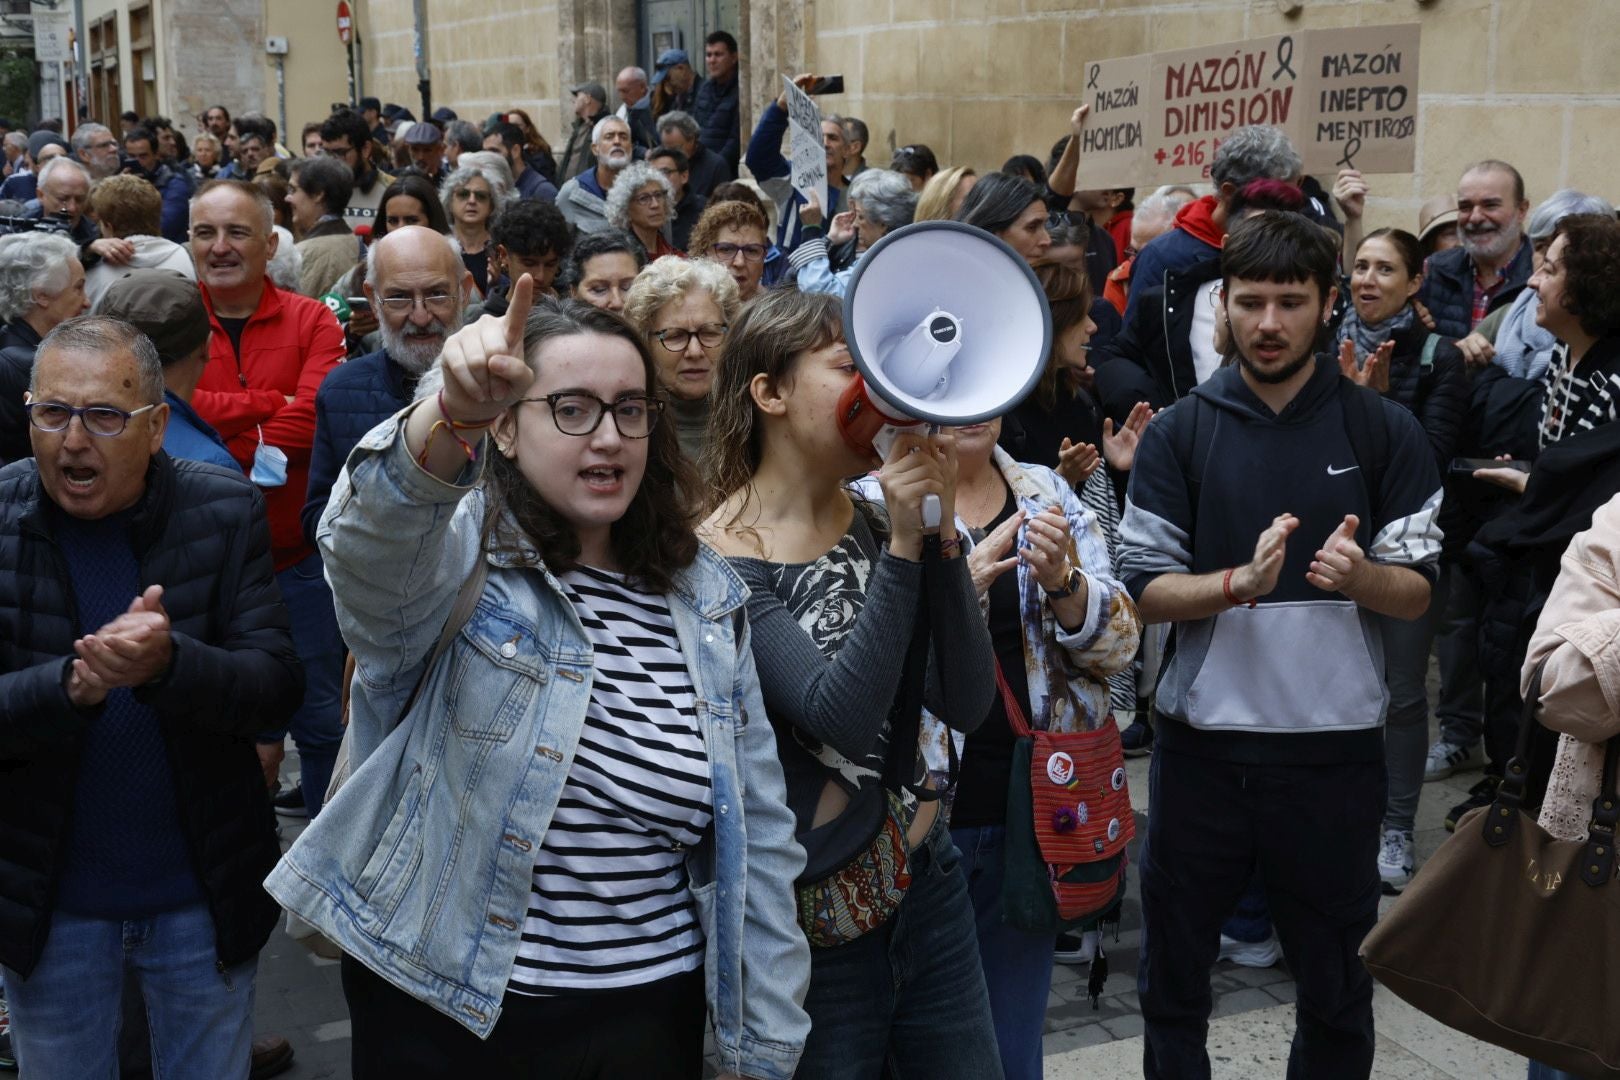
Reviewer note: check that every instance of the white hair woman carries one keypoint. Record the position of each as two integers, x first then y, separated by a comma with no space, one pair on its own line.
880,201
41,286
683,309
471,196
642,203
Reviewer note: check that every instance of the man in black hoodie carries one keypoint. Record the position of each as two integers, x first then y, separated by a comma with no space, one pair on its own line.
1270,757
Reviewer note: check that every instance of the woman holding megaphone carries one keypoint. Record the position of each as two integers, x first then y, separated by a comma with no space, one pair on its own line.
1062,624
566,825
839,587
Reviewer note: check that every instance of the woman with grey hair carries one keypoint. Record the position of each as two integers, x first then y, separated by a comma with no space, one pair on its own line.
642,203
880,200
471,196
683,308
1511,337
41,286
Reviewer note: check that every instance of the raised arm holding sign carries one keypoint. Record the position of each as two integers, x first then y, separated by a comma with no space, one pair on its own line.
806,153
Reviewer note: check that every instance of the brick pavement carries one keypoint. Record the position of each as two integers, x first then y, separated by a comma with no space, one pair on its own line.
300,996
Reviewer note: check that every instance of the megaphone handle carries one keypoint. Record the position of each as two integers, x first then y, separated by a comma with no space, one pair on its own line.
930,504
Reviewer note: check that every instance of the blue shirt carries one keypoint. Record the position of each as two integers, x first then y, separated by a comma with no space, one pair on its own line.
190,437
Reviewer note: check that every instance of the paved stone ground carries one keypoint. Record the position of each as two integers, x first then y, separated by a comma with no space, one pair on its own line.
300,996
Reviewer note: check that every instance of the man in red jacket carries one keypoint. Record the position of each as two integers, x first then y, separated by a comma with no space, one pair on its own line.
270,350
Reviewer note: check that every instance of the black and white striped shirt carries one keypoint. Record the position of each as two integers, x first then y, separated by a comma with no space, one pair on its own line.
610,905
1576,400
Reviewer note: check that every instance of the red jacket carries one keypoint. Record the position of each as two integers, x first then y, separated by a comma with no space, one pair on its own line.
288,345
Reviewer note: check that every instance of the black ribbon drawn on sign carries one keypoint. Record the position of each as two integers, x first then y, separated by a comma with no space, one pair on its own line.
1091,83
1352,147
1285,59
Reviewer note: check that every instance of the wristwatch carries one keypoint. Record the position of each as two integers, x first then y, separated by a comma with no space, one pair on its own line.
1071,585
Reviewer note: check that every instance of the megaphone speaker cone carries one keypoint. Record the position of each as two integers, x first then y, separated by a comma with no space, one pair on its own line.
947,325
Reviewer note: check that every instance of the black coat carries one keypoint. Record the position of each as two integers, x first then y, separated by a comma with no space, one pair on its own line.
1151,359
18,342
201,533
1438,396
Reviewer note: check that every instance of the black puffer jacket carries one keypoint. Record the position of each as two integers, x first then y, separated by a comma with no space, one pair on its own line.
1437,394
18,342
201,533
1448,288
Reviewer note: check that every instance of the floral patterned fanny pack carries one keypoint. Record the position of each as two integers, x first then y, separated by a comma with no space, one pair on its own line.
865,892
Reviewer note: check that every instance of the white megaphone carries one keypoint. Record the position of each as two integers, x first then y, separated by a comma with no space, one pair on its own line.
948,326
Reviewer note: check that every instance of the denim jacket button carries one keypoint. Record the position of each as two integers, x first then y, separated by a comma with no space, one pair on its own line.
724,808
509,650
709,638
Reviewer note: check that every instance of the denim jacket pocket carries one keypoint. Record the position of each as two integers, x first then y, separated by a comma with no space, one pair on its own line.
388,874
498,667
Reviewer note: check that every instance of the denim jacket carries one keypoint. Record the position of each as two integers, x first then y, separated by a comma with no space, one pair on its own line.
420,867
1067,670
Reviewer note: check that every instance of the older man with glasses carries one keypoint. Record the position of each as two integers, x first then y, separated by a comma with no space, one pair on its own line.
144,643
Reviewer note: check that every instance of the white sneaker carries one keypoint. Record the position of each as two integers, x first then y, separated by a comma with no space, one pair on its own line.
1251,954
1446,758
1077,948
1395,859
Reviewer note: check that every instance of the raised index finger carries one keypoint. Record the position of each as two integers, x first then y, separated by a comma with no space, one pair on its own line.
517,314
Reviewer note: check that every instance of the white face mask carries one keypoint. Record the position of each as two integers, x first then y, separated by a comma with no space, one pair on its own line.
269,465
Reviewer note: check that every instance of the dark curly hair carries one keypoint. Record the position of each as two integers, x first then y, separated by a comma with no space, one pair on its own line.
1592,271
654,539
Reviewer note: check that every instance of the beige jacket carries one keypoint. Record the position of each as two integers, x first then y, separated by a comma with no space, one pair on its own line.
1579,635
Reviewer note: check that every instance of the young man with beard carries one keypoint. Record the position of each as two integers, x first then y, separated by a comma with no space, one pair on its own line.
583,199
1270,757
418,286
1463,284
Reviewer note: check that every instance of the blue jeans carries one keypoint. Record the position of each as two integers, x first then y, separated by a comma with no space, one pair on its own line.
908,999
67,1014
1538,1071
317,726
1310,833
1017,965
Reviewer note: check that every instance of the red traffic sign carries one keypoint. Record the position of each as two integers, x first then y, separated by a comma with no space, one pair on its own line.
345,20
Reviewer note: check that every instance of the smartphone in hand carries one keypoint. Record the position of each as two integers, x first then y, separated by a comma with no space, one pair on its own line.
827,84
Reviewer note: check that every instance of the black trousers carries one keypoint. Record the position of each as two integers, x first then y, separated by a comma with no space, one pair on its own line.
1309,833
652,1032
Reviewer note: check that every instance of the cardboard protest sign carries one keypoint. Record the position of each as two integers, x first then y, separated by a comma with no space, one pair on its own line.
1111,152
806,153
1201,95
1346,97
1361,105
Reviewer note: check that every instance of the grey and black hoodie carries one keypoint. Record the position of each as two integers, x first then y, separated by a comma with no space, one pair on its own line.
1211,473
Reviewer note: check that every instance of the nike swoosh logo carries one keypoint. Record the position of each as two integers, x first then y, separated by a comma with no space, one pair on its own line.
1340,472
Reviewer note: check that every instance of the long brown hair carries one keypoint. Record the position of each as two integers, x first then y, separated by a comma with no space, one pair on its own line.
654,538
1068,295
774,331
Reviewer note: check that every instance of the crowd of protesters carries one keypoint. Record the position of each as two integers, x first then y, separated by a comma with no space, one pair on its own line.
502,478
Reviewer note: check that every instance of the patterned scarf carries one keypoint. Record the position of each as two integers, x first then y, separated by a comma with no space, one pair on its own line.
1523,348
1368,337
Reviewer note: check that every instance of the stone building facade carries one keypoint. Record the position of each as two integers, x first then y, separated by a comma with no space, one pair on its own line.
1534,81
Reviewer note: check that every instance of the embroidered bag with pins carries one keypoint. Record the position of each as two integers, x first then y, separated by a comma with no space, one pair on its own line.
1067,825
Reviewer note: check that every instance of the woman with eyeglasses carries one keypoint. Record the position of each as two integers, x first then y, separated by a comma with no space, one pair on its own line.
880,200
567,828
642,203
683,307
471,195
733,234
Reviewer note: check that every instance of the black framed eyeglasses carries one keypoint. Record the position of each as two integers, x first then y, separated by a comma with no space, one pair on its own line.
750,252
577,413
103,420
677,338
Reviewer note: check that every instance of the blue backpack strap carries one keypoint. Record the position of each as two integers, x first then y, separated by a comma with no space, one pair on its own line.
1431,344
